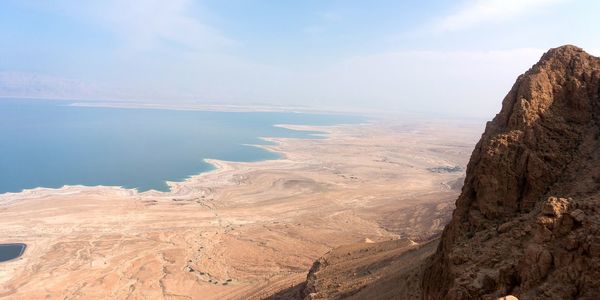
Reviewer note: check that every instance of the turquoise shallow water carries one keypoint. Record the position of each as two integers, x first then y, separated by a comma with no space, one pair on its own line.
51,144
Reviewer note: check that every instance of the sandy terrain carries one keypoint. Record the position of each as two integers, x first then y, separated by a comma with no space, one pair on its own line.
245,230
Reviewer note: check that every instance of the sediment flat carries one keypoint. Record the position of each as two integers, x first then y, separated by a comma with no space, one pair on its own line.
244,230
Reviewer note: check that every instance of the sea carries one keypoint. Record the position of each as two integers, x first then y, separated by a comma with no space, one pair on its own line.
50,143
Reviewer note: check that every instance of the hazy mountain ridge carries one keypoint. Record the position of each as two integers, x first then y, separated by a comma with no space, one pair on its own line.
29,85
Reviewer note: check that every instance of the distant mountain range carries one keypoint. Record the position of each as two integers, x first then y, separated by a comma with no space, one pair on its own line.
28,85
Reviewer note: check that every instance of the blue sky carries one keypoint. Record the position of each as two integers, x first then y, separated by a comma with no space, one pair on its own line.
456,57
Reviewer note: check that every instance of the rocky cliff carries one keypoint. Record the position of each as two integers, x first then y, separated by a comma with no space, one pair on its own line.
528,220
384,270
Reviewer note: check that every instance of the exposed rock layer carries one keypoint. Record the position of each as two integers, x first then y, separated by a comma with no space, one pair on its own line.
527,220
384,270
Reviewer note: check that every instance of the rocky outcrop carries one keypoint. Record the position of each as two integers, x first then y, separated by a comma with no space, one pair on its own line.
527,222
384,270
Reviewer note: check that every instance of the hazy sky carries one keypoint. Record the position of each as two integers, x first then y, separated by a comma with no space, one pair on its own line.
457,57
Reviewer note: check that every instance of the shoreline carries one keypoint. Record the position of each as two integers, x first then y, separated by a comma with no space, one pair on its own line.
23,248
257,226
218,167
212,107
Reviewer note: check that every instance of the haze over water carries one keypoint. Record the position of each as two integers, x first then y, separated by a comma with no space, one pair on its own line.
51,144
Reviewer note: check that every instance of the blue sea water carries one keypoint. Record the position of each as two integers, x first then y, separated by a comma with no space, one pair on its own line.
51,144
11,251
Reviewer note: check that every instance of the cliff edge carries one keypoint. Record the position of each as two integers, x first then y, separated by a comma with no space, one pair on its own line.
527,222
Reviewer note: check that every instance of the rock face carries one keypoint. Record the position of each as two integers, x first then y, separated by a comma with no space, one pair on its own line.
384,270
527,222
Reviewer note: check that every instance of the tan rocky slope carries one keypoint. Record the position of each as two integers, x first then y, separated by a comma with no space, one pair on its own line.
527,222
385,270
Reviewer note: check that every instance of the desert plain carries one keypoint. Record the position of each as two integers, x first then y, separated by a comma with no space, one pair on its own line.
244,230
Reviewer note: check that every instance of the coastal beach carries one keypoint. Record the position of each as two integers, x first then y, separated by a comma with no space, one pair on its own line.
243,230
49,143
